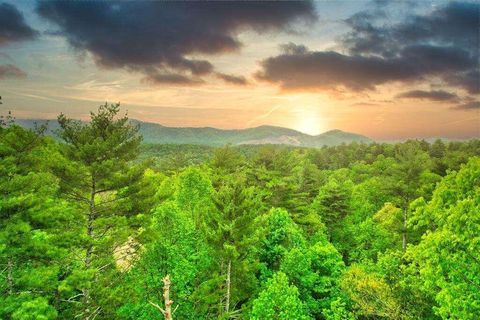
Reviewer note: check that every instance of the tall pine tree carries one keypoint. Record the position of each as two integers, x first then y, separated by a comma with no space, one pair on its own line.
100,153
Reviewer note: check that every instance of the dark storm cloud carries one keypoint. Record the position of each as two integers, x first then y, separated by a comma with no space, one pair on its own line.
240,80
329,69
10,71
434,95
470,80
457,24
134,35
365,36
454,24
12,25
441,44
299,68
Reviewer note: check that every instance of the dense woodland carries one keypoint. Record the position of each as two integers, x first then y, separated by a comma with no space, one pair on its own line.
92,221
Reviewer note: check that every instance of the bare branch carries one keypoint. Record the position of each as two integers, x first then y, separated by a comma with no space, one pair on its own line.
157,307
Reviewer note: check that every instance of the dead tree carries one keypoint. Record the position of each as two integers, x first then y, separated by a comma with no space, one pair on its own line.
228,283
167,312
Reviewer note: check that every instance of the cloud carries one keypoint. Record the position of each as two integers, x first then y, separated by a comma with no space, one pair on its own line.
434,95
10,71
455,24
364,104
239,80
165,35
302,69
157,78
469,80
442,44
13,26
366,37
472,105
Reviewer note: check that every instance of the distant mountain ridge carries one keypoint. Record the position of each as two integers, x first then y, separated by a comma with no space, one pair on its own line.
157,133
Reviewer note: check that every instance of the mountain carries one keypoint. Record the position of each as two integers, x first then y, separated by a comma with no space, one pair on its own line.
156,133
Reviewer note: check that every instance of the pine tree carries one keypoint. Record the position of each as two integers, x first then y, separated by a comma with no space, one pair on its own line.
35,226
407,174
333,204
239,208
99,154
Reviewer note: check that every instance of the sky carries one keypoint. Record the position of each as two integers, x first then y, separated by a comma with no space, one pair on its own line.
387,69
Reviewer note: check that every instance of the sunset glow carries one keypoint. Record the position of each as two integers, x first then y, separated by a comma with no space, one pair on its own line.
311,68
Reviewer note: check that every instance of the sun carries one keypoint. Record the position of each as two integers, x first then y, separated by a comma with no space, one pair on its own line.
310,123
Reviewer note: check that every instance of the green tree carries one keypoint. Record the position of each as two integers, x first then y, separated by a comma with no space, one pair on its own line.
333,205
390,219
233,235
227,160
100,154
398,271
280,235
36,309
36,228
194,194
371,295
447,255
437,153
338,311
314,270
178,250
279,300
275,170
407,179
362,236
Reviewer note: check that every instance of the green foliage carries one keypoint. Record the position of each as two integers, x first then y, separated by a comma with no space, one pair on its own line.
177,250
96,176
338,311
170,158
333,203
279,300
239,210
361,231
371,295
36,229
37,309
194,195
280,235
314,270
447,255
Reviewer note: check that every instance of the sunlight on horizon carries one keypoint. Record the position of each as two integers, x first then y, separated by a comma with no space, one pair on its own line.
310,122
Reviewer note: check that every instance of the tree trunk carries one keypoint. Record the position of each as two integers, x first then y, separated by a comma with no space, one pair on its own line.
89,249
228,283
90,220
166,298
404,231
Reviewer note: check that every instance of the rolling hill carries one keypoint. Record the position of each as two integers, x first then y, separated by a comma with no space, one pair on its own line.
156,133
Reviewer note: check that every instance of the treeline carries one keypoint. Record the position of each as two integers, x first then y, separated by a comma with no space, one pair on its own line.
359,231
444,154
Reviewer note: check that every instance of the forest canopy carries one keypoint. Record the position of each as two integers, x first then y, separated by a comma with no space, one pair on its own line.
92,222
